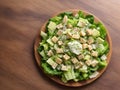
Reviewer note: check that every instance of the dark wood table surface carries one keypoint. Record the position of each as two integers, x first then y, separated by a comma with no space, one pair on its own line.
20,22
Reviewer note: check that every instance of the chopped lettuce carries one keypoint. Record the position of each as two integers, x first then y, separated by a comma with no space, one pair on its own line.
90,18
102,48
56,19
81,14
73,21
102,30
47,69
102,64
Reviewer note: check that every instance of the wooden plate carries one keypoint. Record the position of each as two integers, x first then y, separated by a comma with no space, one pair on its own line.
72,83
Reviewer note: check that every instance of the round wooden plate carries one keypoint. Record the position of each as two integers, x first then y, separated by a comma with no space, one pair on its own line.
72,83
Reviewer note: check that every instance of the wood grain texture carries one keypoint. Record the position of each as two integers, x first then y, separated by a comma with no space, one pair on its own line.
20,22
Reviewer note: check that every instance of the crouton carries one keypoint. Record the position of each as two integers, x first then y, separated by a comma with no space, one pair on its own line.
50,53
82,40
94,53
81,24
88,62
89,32
52,63
66,57
59,26
58,60
84,46
90,40
64,68
54,39
69,26
89,47
78,65
59,32
80,56
74,60
59,50
60,42
82,33
94,63
76,36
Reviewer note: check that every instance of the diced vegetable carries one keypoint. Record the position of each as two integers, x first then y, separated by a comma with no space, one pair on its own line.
90,40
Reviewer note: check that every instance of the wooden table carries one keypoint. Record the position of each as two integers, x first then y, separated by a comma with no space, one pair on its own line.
20,22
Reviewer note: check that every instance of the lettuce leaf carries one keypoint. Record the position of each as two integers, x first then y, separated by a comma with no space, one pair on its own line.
81,14
90,18
49,70
102,30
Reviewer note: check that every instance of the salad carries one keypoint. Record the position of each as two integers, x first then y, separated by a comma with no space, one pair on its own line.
73,47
